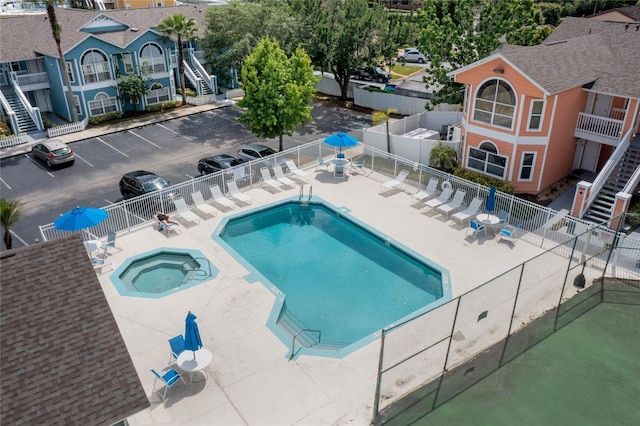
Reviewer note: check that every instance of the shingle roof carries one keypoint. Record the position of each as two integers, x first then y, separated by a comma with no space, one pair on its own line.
24,36
63,359
582,51
632,12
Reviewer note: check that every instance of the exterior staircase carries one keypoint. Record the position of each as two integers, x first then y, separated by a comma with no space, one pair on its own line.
25,122
600,209
206,89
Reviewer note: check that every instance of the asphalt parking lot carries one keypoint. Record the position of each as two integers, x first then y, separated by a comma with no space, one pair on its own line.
170,149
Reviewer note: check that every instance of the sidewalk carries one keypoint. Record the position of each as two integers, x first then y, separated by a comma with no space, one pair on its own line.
96,131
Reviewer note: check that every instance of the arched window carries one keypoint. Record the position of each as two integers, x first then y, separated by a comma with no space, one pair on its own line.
151,58
157,94
495,103
486,159
103,104
95,67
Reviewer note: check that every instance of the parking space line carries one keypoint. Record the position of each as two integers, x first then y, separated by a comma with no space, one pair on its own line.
174,132
112,147
38,165
222,116
77,156
5,183
144,139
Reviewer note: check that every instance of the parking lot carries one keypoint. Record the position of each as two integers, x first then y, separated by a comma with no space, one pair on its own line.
170,149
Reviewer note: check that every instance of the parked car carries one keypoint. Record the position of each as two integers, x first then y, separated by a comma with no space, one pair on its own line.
216,163
412,55
254,151
140,182
373,74
53,152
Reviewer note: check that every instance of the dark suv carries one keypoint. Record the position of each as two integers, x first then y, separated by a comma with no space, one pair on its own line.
216,163
373,74
142,182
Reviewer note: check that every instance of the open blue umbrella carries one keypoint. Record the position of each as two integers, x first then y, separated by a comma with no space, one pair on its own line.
490,204
192,341
341,140
80,218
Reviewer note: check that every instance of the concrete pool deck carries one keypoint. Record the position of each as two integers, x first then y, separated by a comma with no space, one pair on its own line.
251,380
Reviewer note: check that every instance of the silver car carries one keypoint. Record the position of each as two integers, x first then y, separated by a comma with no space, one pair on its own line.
53,152
412,55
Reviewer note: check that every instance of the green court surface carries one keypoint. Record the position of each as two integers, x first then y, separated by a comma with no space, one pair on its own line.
587,373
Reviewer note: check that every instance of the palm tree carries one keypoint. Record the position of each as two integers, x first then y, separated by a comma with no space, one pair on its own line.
56,29
178,25
9,214
443,157
383,116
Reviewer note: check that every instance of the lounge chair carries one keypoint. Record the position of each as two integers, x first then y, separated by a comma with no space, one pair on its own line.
444,197
280,177
358,165
169,379
397,182
424,194
454,205
172,227
266,177
474,229
236,194
557,221
467,213
184,211
220,199
509,232
301,174
201,205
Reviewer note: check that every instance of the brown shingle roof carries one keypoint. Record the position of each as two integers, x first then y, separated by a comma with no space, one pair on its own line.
24,36
63,360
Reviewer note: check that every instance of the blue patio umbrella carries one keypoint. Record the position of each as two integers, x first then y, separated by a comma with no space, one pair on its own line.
341,140
80,218
490,204
192,341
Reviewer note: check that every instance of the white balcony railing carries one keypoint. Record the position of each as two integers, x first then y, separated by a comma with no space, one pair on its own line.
599,129
33,81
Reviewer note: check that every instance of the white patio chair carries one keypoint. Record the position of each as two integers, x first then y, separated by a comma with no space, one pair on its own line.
397,182
220,199
236,194
201,205
280,177
271,182
184,211
454,205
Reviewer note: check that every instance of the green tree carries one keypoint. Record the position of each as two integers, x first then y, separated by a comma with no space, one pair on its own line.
443,157
278,90
183,29
10,211
458,33
383,117
132,88
56,30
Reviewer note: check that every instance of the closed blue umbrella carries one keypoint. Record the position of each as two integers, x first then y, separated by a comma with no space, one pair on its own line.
80,218
192,341
341,140
490,205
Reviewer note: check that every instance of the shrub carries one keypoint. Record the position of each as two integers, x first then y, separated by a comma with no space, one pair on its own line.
633,215
485,180
48,123
101,119
188,92
164,106
5,131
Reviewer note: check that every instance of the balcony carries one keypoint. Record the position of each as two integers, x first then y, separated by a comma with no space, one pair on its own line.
34,81
599,129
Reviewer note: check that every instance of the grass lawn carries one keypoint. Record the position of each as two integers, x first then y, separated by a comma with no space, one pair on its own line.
404,70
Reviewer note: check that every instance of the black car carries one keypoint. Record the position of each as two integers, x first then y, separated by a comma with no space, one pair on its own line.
141,182
216,163
373,74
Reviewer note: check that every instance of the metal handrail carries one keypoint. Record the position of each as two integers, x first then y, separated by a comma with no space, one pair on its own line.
293,342
192,272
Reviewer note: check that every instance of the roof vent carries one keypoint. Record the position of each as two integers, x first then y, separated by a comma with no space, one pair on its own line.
134,29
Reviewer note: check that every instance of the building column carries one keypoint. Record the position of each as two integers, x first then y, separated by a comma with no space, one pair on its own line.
620,207
580,198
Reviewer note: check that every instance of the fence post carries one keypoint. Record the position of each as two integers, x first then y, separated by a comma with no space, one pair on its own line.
376,402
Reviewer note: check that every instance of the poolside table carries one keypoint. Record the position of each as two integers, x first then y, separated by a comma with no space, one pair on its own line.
186,362
489,220
92,246
340,162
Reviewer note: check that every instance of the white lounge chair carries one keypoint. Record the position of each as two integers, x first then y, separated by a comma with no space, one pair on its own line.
220,199
429,192
201,204
236,194
184,212
467,213
395,183
444,197
301,174
454,205
172,227
266,177
280,177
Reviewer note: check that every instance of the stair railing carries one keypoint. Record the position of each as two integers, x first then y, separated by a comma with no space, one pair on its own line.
210,81
295,337
34,112
194,79
13,119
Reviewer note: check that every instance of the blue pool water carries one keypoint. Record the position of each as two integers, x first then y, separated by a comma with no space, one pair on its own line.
335,275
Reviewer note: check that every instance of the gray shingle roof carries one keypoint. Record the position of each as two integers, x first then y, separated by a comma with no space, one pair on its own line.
24,36
63,359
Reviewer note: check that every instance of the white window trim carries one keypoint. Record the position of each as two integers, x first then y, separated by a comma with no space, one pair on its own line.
493,113
531,115
486,163
69,71
76,100
97,70
105,104
151,64
128,66
522,166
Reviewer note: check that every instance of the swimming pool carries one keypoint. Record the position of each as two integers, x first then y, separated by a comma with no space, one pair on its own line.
337,281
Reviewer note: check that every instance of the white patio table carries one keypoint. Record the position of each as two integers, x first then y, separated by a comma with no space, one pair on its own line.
187,362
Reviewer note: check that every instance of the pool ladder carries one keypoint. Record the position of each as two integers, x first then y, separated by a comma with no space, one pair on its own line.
295,337
304,204
192,272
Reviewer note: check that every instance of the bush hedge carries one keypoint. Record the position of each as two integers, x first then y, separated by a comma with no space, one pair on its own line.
164,106
100,119
485,180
